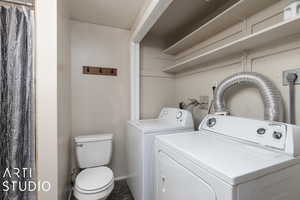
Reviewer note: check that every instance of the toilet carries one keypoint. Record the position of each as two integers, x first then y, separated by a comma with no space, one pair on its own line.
95,181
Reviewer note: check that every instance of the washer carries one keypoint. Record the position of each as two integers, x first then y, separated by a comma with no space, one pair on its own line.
229,158
140,147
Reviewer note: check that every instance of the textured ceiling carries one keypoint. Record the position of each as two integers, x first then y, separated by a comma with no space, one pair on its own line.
114,13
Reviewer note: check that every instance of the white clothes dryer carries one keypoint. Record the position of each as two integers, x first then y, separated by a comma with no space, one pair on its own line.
230,158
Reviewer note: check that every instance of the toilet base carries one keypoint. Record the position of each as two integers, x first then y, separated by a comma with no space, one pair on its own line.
93,196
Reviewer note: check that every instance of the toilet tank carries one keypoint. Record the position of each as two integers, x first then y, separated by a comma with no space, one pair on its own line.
93,150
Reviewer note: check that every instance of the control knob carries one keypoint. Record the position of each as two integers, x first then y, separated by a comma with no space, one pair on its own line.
179,115
211,122
277,135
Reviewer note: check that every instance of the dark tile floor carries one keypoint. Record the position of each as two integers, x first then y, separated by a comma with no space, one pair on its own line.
120,192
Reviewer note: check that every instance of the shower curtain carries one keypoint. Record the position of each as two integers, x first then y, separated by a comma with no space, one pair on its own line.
17,123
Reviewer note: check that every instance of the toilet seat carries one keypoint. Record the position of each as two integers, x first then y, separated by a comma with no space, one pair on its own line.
94,180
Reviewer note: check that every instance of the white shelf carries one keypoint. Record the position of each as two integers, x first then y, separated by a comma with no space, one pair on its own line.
231,16
263,37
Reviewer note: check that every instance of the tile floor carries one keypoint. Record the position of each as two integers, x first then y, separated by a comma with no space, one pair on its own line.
120,192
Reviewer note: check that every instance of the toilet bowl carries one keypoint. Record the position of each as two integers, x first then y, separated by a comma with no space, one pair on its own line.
94,184
95,181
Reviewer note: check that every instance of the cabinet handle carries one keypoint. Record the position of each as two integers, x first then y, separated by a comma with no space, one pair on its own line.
163,180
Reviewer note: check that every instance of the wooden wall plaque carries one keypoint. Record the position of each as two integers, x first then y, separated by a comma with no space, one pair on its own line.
105,71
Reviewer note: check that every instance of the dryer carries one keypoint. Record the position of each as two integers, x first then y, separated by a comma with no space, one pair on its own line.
140,147
229,158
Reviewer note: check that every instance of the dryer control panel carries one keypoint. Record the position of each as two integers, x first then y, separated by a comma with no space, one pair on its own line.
276,135
181,117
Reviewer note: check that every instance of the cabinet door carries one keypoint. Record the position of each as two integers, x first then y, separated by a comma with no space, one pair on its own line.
175,182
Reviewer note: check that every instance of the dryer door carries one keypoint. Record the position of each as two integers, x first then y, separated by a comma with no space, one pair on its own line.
174,182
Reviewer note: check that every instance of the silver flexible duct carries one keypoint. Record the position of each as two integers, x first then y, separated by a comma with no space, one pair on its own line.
270,94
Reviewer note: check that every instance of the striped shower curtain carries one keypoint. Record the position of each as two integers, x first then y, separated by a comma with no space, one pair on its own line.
17,123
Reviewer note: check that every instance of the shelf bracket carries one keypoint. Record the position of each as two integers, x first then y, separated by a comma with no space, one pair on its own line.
245,61
245,26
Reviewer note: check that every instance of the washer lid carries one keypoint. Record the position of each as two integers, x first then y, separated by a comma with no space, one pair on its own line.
232,161
157,125
94,178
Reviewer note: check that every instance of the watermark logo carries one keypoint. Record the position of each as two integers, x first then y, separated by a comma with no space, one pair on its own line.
16,179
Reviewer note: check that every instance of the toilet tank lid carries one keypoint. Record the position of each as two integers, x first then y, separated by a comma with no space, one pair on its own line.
93,138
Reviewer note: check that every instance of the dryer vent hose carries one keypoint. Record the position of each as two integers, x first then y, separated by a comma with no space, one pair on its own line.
273,104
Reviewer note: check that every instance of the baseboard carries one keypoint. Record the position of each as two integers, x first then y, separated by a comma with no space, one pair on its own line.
119,178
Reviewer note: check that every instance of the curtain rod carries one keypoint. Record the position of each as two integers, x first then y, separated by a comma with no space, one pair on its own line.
21,3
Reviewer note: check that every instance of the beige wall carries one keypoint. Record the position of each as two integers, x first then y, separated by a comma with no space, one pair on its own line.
200,84
46,95
53,97
100,104
64,105
157,88
270,60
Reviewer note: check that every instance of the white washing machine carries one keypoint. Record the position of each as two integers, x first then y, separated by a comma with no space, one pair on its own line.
230,158
140,147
